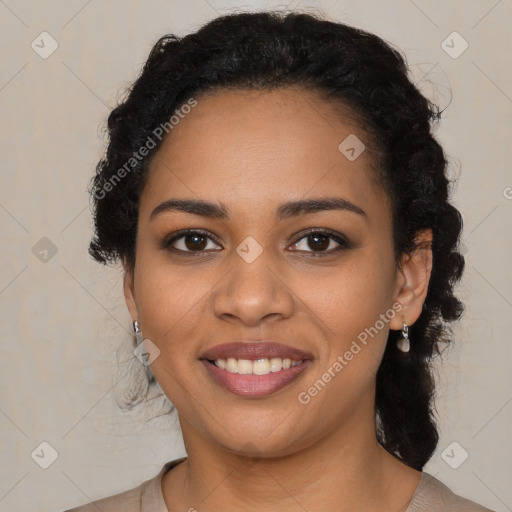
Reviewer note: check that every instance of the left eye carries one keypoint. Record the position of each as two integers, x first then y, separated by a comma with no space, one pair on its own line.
320,241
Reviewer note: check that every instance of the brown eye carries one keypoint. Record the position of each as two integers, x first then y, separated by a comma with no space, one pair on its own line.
195,242
320,241
189,241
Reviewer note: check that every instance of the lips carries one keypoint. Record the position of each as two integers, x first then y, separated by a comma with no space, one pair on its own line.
252,385
254,351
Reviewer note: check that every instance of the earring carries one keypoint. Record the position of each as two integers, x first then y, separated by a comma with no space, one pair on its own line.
138,332
403,343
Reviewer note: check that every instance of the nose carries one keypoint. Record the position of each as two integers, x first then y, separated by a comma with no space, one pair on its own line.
253,292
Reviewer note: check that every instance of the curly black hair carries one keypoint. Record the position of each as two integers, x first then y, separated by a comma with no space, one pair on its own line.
348,67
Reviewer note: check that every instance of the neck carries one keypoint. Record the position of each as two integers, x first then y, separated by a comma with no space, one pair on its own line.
345,471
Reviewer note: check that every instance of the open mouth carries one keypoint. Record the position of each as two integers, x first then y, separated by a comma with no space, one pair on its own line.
262,366
255,368
255,378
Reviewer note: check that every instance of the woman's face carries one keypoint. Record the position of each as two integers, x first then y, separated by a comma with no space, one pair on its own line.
254,274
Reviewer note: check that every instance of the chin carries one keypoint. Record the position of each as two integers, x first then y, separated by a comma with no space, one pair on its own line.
268,439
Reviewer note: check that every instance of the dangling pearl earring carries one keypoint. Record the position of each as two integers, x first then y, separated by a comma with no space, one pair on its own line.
138,332
403,343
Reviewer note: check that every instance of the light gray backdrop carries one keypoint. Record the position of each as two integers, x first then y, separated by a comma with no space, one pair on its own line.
63,317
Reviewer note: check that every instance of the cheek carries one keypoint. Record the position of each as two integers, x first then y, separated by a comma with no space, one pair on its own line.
348,298
170,305
172,301
348,306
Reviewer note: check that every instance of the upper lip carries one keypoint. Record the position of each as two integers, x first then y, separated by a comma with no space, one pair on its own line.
254,350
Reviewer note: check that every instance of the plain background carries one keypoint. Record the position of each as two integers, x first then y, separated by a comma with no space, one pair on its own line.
63,316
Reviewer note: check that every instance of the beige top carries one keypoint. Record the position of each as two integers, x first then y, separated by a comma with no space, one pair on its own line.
430,495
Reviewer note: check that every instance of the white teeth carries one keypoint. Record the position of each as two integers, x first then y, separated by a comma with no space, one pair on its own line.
276,364
261,367
244,366
232,365
257,367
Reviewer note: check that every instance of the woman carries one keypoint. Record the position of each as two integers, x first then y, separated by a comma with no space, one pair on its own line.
280,207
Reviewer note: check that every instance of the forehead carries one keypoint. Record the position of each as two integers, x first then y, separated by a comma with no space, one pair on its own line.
246,148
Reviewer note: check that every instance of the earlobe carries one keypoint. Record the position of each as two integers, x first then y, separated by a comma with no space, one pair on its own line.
129,293
416,269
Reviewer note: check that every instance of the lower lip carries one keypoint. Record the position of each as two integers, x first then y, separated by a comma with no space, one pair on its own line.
254,386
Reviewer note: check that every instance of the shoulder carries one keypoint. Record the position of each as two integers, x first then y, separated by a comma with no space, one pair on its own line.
433,495
128,501
146,497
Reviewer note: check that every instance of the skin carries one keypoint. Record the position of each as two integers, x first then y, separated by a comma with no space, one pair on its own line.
252,151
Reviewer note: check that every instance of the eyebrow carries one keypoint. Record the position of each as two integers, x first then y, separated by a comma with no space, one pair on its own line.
285,210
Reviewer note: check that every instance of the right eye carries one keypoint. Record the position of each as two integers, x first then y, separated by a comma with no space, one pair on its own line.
190,240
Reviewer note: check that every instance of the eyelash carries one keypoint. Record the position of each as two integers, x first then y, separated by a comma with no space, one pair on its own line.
340,239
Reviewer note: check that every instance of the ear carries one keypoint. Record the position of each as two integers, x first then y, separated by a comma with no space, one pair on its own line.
414,278
129,292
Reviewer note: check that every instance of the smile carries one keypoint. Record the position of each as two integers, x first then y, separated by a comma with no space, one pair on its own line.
258,367
254,369
241,377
